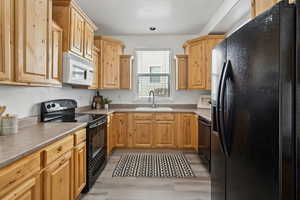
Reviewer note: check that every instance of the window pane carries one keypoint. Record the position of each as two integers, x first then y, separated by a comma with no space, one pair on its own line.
160,86
153,73
153,70
146,59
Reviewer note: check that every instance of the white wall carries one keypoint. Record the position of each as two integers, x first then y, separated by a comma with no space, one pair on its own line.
172,42
24,101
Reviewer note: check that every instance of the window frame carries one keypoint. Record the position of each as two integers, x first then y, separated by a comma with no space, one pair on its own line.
168,99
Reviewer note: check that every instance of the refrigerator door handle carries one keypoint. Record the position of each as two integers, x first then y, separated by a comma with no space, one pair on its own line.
223,129
221,136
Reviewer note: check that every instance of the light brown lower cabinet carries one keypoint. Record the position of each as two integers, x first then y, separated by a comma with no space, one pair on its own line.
152,130
59,179
79,168
28,190
165,134
143,134
120,124
187,136
56,172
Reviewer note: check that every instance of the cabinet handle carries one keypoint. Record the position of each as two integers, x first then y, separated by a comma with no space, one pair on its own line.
62,161
59,149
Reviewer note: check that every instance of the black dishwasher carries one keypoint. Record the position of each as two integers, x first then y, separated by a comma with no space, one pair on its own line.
204,139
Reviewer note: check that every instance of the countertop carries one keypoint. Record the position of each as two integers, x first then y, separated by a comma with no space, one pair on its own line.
204,113
33,138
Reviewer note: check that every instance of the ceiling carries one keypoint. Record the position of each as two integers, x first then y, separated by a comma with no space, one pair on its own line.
238,15
135,17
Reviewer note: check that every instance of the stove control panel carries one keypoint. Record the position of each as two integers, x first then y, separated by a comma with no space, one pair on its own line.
58,105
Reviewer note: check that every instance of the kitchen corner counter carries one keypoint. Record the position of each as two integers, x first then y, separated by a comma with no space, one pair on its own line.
33,138
204,113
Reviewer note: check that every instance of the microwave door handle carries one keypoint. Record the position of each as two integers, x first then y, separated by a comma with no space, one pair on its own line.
85,74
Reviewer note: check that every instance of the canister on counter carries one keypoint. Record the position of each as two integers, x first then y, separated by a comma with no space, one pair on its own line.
8,125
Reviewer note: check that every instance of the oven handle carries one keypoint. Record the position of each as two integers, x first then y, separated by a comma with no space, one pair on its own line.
97,124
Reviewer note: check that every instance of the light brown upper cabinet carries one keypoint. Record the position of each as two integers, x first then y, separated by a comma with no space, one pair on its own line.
181,72
88,41
55,72
259,6
111,50
78,35
77,32
199,51
96,66
125,71
6,39
33,28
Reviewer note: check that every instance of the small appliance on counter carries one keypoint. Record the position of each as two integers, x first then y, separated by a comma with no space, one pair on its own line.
97,101
204,102
63,110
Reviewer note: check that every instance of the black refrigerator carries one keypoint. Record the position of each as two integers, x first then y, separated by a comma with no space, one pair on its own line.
255,95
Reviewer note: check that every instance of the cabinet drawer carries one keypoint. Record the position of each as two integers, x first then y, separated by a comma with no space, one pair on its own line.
80,136
16,173
143,116
57,149
164,117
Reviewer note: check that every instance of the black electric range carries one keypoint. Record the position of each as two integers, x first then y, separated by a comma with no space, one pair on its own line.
63,110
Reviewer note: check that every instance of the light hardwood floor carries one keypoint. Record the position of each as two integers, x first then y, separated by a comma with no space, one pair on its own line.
109,188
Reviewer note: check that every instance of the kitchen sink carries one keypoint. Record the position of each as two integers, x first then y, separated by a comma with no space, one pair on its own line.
154,109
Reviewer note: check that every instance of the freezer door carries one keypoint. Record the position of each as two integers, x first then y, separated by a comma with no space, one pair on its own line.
258,53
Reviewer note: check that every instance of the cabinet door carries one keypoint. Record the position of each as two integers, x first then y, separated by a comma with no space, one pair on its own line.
33,39
77,33
28,190
79,168
209,45
58,180
181,72
165,134
187,131
88,41
110,66
259,6
6,25
55,71
142,134
120,126
95,83
125,72
196,70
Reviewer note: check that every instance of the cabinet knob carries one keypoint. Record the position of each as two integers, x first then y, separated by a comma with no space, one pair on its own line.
59,149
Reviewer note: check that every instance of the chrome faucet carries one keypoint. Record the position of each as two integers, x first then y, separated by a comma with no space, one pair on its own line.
153,98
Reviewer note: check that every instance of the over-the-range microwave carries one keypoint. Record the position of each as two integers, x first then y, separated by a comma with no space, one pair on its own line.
76,70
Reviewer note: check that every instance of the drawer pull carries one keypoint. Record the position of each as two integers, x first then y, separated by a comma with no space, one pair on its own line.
62,162
59,149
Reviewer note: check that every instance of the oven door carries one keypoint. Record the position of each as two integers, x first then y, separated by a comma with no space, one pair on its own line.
97,138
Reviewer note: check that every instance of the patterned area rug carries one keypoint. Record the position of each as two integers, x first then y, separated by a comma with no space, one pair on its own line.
164,165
